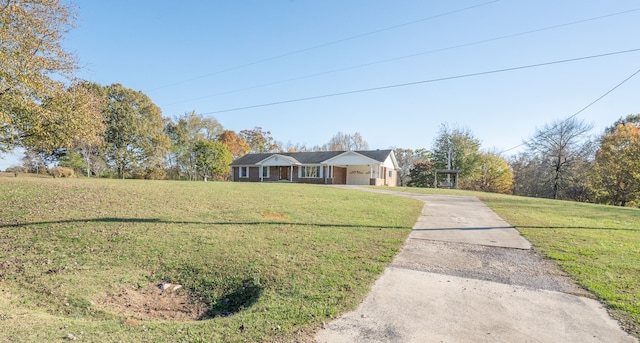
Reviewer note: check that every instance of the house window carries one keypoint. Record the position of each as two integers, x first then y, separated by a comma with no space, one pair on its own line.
244,172
390,173
310,172
265,172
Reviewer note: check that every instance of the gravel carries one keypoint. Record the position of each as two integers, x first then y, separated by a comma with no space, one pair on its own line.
519,267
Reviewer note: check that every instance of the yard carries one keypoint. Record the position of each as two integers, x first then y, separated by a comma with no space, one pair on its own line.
85,259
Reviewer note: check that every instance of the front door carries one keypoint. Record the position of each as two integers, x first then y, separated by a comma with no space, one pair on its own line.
284,173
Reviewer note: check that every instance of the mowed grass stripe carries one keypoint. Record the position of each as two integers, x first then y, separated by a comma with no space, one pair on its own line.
272,261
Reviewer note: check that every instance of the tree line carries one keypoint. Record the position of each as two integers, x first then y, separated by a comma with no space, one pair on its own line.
114,131
454,149
561,161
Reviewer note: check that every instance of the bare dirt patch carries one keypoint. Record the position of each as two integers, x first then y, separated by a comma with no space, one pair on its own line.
273,215
152,302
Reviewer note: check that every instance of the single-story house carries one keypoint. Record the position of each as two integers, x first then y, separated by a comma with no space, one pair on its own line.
368,167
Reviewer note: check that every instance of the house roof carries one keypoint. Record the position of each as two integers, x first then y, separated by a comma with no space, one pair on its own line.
378,155
249,159
310,157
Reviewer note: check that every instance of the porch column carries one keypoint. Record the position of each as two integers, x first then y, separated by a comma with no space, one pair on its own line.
326,174
332,182
291,173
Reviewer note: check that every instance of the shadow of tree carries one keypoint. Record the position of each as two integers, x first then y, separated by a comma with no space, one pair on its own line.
161,221
529,227
577,228
238,298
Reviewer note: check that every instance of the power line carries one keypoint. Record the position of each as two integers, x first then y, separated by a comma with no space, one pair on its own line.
409,56
575,114
295,52
421,82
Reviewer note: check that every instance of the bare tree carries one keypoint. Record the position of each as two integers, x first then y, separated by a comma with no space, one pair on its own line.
559,148
406,159
347,142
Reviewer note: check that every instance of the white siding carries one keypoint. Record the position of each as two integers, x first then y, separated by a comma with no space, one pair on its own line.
388,163
351,159
358,175
278,160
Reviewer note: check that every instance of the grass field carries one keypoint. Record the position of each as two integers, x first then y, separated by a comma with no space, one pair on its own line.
83,258
257,262
599,246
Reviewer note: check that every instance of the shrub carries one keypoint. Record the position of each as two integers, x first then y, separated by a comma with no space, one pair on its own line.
62,172
155,173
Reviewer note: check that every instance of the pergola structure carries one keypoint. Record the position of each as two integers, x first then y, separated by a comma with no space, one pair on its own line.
448,184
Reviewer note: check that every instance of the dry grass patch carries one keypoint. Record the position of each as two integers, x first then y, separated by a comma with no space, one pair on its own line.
273,215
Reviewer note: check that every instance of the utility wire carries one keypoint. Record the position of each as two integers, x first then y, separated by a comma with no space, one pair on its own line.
295,52
408,56
575,114
421,82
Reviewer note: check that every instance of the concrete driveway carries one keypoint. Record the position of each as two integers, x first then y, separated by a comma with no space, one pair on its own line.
465,275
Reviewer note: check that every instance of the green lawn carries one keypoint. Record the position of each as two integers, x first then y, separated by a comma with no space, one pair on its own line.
599,246
270,261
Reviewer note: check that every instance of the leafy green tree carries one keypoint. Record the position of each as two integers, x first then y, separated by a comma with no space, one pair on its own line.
66,119
135,138
617,166
457,148
73,160
190,129
212,158
33,61
422,174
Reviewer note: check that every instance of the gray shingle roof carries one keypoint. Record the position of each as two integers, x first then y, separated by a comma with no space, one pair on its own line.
311,157
250,159
378,155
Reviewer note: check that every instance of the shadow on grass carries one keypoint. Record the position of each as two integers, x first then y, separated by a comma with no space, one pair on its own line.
160,221
578,228
528,227
465,228
237,299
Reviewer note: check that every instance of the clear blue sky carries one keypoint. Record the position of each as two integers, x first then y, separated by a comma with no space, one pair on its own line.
211,56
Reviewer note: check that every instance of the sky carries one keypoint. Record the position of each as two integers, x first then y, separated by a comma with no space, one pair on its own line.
407,67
